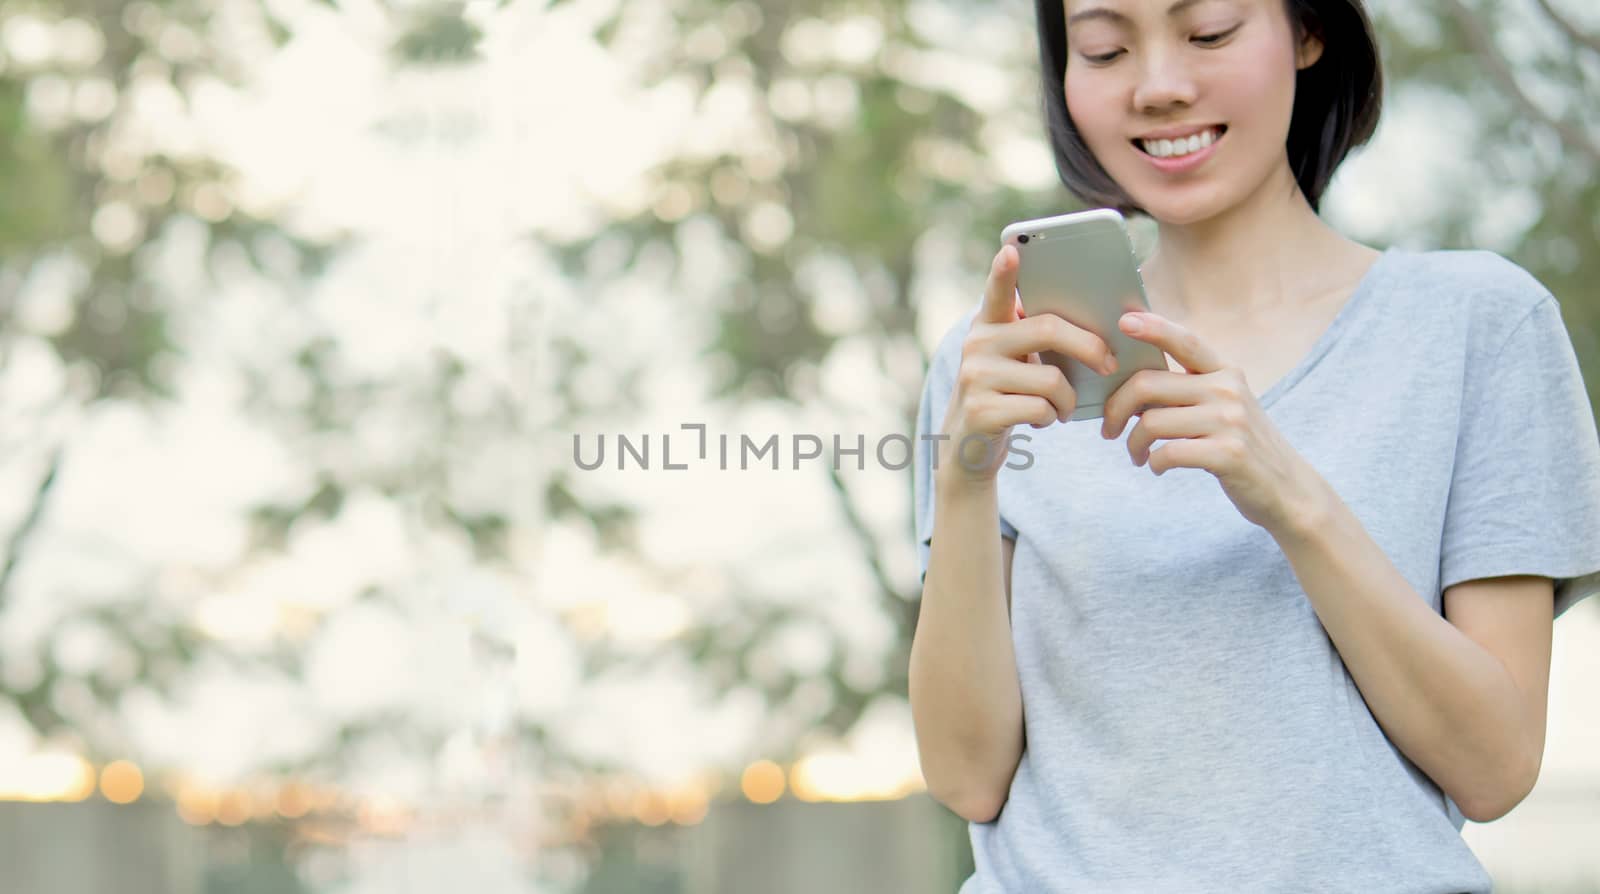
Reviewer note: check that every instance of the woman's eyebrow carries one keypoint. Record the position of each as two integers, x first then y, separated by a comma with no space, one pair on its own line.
1101,12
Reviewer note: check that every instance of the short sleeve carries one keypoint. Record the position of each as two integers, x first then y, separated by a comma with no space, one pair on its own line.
1525,491
936,389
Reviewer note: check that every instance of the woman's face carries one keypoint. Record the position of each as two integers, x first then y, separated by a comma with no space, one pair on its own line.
1142,67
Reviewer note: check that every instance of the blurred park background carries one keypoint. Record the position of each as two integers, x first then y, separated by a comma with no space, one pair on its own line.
304,305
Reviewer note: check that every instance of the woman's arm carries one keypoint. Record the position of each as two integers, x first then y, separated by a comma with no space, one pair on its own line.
966,694
966,698
1465,704
1465,697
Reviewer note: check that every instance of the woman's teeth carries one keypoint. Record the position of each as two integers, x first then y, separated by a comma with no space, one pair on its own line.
1178,148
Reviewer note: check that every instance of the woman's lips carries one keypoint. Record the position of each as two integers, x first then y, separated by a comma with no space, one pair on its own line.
1182,163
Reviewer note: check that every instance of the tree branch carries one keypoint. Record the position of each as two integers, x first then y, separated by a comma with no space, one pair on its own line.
41,495
1592,41
869,543
1483,45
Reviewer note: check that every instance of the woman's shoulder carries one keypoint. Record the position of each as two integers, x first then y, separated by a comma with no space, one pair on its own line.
1472,279
1483,289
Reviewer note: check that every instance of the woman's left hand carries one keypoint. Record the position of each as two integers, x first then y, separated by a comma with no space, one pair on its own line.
1215,423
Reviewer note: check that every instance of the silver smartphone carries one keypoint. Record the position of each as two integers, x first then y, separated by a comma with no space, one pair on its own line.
1081,267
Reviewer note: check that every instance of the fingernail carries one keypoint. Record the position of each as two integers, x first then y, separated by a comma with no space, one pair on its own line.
1132,324
1110,365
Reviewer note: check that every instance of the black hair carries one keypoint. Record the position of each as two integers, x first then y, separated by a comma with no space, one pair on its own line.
1337,100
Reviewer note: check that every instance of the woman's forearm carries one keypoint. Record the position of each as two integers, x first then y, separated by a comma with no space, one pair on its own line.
1447,703
966,700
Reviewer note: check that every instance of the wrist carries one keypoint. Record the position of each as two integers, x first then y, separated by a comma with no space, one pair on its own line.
952,482
1308,510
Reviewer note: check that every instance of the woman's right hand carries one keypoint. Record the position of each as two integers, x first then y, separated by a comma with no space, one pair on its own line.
1001,380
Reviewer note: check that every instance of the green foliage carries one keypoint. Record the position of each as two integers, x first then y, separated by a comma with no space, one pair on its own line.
439,35
32,180
63,179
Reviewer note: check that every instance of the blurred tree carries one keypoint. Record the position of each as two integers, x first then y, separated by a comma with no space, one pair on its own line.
87,205
865,151
91,200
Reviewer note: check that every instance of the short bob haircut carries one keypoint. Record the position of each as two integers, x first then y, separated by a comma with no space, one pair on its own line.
1336,102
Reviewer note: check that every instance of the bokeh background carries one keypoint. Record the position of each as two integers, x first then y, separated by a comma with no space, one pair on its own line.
306,307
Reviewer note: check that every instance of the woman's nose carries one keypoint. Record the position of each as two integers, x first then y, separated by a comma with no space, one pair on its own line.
1163,81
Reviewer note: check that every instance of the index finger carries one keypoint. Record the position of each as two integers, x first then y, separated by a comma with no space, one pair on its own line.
1185,347
1000,296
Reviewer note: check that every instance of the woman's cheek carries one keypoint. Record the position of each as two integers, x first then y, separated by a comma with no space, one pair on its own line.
1251,84
1088,108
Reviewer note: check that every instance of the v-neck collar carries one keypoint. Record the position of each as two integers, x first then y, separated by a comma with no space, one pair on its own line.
1341,322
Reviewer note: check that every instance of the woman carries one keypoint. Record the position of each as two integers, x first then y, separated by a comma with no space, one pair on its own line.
1316,639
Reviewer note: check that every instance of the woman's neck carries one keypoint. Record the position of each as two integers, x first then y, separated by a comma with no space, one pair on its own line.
1271,252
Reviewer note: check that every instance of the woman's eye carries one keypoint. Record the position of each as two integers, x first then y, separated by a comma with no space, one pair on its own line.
1102,58
1209,39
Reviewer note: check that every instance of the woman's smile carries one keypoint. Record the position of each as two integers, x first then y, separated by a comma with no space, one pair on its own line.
1178,156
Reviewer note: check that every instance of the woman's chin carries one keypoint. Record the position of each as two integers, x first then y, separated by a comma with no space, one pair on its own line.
1180,205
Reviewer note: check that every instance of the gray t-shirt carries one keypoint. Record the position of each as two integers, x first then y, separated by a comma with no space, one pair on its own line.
1189,724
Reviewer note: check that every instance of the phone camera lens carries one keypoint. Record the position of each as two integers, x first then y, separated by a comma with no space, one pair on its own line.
1023,238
